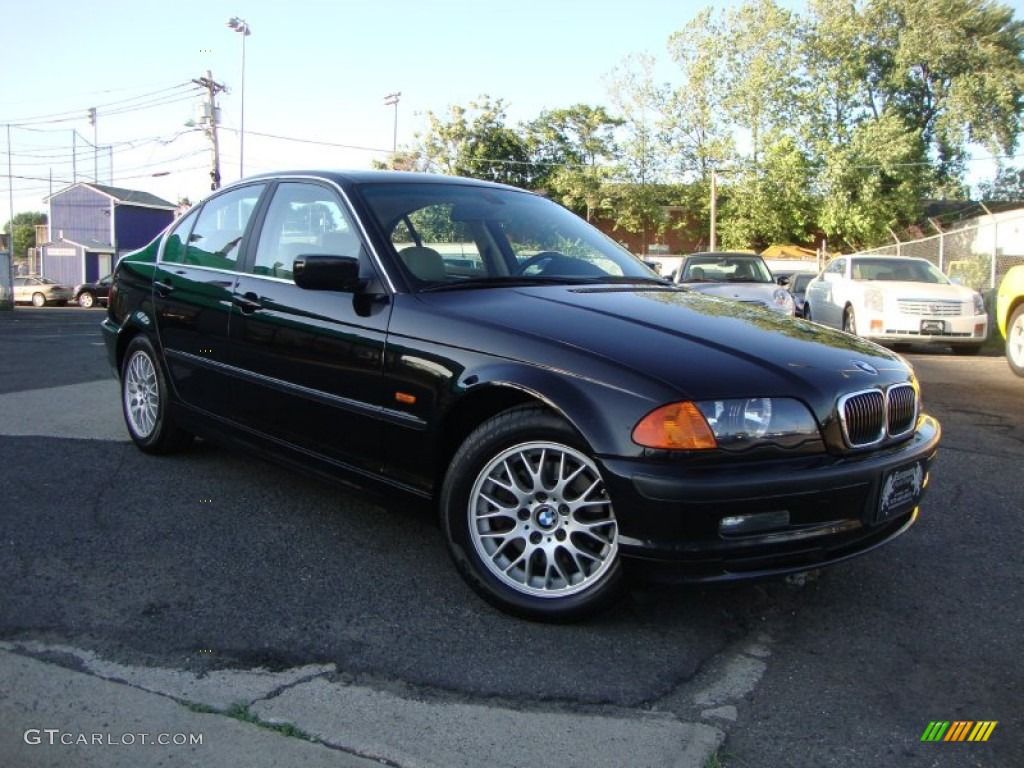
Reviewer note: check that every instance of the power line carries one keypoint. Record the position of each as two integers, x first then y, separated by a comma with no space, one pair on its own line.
120,106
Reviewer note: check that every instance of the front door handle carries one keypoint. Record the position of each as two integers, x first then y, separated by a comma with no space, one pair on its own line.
247,302
162,288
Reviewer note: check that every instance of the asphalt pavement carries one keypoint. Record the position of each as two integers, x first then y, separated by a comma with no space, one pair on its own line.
209,609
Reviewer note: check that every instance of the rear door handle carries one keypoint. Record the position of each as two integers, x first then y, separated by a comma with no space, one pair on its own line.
162,288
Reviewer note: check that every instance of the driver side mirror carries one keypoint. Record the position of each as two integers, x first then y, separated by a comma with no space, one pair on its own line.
320,272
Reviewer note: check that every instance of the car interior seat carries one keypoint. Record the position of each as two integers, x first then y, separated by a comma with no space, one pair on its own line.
743,271
424,263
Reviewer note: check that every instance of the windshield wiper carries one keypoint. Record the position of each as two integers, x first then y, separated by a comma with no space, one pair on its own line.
497,282
525,281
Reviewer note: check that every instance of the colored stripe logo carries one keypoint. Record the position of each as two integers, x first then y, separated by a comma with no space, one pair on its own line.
959,730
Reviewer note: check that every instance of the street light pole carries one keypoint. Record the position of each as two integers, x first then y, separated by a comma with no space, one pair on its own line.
241,26
389,100
714,210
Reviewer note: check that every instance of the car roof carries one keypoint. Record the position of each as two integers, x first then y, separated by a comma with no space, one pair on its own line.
725,254
355,177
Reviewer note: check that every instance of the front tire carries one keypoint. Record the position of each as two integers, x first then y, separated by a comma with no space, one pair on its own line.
86,300
528,520
145,401
1015,341
850,321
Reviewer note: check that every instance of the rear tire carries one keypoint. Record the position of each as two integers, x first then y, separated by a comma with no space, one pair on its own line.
145,401
86,300
528,520
38,300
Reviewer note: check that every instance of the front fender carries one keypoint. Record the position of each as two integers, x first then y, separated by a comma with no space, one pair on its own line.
603,413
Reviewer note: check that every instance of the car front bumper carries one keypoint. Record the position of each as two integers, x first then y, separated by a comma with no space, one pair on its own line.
923,329
706,522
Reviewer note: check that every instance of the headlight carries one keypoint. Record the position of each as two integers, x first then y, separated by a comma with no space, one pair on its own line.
731,425
783,299
979,304
874,300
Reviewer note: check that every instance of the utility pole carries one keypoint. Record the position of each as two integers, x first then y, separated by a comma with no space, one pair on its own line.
211,117
392,100
713,240
95,146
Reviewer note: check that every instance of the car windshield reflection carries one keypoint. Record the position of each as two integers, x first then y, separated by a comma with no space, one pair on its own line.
459,236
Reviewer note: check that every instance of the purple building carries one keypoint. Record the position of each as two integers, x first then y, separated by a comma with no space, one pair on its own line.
92,225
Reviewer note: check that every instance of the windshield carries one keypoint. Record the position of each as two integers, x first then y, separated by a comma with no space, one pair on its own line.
725,268
902,269
799,283
460,235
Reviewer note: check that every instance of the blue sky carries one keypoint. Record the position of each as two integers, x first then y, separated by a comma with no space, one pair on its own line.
316,70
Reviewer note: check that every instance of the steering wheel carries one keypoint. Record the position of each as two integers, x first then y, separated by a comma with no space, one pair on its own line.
544,256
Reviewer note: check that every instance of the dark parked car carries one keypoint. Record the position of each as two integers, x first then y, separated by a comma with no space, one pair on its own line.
568,411
89,294
796,284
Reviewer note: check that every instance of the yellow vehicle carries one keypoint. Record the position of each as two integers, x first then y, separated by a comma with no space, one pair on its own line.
1010,316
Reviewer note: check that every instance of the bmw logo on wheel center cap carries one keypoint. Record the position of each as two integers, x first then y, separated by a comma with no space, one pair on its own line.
546,518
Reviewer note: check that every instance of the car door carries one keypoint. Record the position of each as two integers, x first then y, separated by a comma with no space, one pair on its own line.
21,289
824,295
192,289
308,363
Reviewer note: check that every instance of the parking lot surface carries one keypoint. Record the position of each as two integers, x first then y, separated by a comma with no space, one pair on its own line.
215,563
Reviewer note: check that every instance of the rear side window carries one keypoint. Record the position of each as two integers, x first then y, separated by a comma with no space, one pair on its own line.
216,239
174,245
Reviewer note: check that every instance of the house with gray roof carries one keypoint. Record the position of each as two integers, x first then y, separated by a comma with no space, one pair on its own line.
92,225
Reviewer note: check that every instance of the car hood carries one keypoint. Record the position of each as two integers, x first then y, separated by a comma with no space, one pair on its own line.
923,291
694,345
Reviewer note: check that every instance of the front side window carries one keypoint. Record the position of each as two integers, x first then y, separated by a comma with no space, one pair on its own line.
303,219
452,235
216,239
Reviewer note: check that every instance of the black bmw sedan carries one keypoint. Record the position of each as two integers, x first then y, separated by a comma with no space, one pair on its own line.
571,414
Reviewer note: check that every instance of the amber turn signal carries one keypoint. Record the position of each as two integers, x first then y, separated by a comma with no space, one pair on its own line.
675,427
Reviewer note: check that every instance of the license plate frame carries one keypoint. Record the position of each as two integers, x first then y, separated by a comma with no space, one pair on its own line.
932,327
900,491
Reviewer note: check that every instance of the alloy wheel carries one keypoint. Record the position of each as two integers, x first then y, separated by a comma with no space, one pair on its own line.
141,395
541,520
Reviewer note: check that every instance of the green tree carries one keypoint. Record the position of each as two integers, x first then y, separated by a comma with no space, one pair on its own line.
1008,185
573,150
637,203
24,232
761,82
476,142
955,73
694,123
771,202
872,184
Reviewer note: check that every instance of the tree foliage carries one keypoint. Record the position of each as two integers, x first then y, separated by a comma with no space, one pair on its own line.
840,121
476,142
24,231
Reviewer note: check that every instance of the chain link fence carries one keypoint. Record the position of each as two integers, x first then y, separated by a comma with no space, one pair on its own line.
976,254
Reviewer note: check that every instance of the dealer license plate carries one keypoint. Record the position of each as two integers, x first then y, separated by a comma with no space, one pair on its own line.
901,491
933,326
